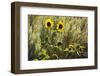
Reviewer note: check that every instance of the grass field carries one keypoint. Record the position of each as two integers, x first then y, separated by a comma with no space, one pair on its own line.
57,37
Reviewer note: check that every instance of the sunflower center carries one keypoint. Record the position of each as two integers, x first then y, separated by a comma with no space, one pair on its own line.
48,24
60,26
59,43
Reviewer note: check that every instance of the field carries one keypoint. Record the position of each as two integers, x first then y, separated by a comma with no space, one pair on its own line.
57,37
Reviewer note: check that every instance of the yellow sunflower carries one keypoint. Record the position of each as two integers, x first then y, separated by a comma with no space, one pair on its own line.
49,23
60,26
71,46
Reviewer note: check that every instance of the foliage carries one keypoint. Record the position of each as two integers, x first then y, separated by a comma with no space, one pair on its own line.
57,37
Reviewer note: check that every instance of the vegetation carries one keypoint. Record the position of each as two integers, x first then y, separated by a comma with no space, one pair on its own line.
57,37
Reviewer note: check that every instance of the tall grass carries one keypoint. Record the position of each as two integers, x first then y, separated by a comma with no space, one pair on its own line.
45,43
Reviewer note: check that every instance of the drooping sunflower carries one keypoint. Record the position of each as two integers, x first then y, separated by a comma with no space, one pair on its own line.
49,23
60,26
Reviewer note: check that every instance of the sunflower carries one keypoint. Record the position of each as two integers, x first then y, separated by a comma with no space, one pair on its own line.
71,46
49,23
59,43
60,26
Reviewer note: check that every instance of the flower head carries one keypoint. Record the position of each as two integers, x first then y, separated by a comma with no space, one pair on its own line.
49,23
71,47
59,43
60,26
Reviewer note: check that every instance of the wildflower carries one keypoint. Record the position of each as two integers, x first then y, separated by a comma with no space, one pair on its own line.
71,47
60,26
49,23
